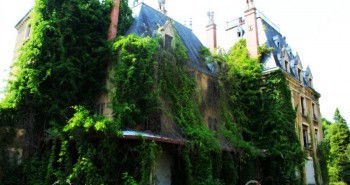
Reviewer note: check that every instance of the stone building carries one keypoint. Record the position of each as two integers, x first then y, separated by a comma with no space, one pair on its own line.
259,30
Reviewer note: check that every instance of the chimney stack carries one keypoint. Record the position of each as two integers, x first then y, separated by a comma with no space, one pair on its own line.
251,29
211,33
162,6
112,32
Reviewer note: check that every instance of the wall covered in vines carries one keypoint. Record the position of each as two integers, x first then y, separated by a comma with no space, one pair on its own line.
62,71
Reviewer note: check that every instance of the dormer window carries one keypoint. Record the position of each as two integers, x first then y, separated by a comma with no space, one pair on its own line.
300,75
28,31
310,82
167,32
286,65
167,41
277,41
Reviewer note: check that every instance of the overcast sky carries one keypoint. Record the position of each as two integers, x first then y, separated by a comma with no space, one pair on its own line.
319,30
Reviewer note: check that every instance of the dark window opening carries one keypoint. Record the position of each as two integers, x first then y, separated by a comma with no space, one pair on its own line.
316,136
302,106
212,124
305,136
168,41
99,108
286,66
314,112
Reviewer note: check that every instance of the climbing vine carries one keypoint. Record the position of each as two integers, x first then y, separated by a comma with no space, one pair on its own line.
277,133
58,79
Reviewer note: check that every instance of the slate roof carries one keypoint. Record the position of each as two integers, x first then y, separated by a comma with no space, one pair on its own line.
147,21
24,18
275,40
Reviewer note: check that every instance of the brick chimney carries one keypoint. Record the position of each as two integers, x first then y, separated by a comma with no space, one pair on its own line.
211,32
112,32
251,29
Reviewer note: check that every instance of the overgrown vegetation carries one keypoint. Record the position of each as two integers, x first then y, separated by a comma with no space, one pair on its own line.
61,73
336,150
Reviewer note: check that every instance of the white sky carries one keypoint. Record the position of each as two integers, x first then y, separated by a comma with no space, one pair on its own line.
319,30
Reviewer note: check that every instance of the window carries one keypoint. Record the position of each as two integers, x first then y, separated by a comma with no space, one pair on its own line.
99,108
300,76
310,82
302,104
28,31
316,136
212,124
286,65
314,112
305,136
277,41
167,41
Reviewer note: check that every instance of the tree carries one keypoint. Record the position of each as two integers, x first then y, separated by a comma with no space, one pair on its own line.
339,140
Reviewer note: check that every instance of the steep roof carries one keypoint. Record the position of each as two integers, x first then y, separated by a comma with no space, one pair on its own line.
281,52
23,19
147,21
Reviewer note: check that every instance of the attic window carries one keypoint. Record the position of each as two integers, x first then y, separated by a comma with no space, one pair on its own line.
167,41
300,76
286,65
277,41
310,82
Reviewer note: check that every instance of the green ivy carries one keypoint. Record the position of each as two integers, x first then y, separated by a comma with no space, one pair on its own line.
59,76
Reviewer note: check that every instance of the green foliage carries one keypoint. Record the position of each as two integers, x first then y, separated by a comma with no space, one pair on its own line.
338,140
135,96
241,83
60,66
277,132
125,18
63,64
60,72
179,89
322,155
260,115
83,121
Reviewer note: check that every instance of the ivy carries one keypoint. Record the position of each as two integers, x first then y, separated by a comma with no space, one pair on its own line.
59,76
135,96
